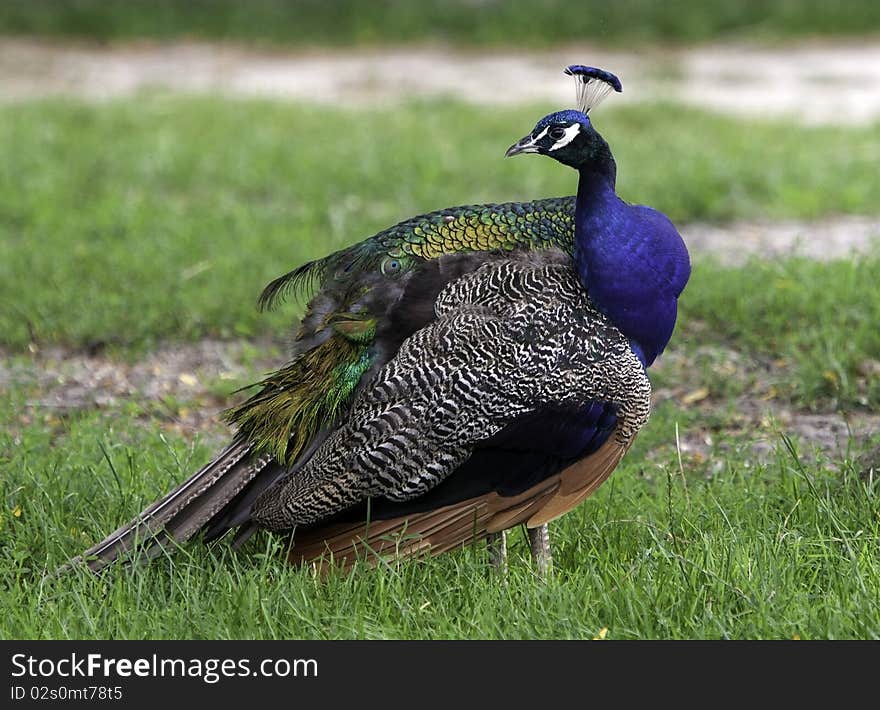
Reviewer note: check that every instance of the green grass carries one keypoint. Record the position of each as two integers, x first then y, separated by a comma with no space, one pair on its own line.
742,550
132,223
495,22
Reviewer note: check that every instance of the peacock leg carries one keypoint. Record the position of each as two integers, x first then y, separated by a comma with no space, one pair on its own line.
497,545
539,542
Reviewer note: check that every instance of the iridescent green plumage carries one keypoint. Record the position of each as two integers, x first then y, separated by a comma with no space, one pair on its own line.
484,228
489,227
301,396
315,386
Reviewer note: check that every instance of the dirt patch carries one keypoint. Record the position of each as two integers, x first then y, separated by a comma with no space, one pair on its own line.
807,82
184,388
823,240
760,425
758,416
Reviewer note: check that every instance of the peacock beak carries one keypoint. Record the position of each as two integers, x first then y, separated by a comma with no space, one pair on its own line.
523,145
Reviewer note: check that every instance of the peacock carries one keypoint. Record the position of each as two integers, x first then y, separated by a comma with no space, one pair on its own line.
456,375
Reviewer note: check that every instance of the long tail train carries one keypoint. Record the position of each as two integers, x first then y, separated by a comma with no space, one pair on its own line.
186,510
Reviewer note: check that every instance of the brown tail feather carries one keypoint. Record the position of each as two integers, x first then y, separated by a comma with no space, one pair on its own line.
183,512
437,531
514,516
579,481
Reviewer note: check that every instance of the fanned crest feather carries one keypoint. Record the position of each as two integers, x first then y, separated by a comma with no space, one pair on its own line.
592,85
305,279
300,281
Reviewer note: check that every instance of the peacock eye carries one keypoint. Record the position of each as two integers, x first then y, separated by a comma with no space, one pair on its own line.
556,133
389,266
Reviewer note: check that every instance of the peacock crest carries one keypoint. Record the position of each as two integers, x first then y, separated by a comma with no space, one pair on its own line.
592,85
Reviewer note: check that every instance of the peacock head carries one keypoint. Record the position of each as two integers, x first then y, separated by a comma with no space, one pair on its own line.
569,136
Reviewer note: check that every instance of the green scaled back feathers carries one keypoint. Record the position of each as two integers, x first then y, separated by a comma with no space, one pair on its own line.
489,227
335,345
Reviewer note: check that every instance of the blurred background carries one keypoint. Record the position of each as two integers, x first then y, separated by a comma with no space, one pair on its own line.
515,23
162,160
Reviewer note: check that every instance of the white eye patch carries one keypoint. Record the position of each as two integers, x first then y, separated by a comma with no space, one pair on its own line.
569,136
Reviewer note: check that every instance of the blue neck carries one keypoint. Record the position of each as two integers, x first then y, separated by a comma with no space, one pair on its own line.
630,259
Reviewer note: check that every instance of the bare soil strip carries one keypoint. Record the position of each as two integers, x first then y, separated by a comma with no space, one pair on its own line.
755,419
808,82
183,388
825,239
178,387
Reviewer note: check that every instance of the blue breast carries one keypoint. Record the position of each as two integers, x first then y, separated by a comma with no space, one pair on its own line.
633,263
